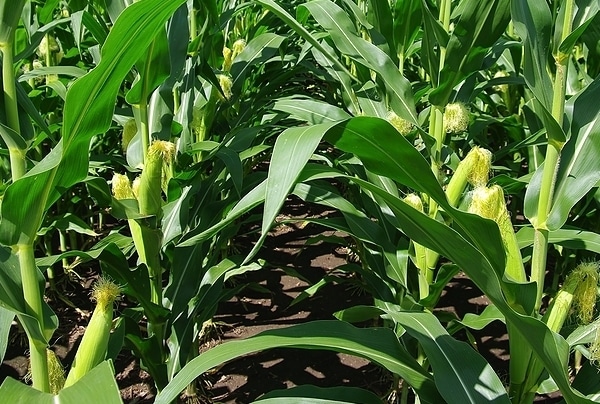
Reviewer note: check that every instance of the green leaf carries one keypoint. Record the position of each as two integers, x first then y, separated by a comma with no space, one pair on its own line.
434,36
153,68
475,383
97,386
480,321
477,30
257,51
292,150
380,15
88,112
12,139
70,71
570,238
70,222
10,12
579,169
308,394
6,319
312,111
376,344
341,29
300,30
12,299
407,22
586,11
532,20
234,166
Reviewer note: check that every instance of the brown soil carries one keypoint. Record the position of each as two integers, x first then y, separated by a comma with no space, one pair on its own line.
245,379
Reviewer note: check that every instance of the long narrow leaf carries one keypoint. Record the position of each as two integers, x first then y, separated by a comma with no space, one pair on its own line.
376,344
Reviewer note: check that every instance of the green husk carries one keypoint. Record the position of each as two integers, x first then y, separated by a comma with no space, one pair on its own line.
94,343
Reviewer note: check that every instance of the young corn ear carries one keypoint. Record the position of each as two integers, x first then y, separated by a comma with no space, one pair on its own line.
129,132
595,345
456,118
121,187
577,293
402,125
490,204
238,47
56,373
94,343
160,155
425,274
227,59
473,169
226,85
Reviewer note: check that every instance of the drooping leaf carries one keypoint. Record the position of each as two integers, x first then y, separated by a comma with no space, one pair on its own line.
376,344
6,319
292,150
569,238
312,111
257,51
475,383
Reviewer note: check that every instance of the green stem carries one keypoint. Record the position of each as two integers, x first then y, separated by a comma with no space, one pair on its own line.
444,17
193,30
17,156
144,129
551,162
34,307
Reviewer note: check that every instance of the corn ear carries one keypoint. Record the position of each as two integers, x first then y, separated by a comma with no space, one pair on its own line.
579,293
129,132
238,47
149,192
490,204
473,169
595,345
456,118
94,343
402,125
56,373
227,59
121,187
425,274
